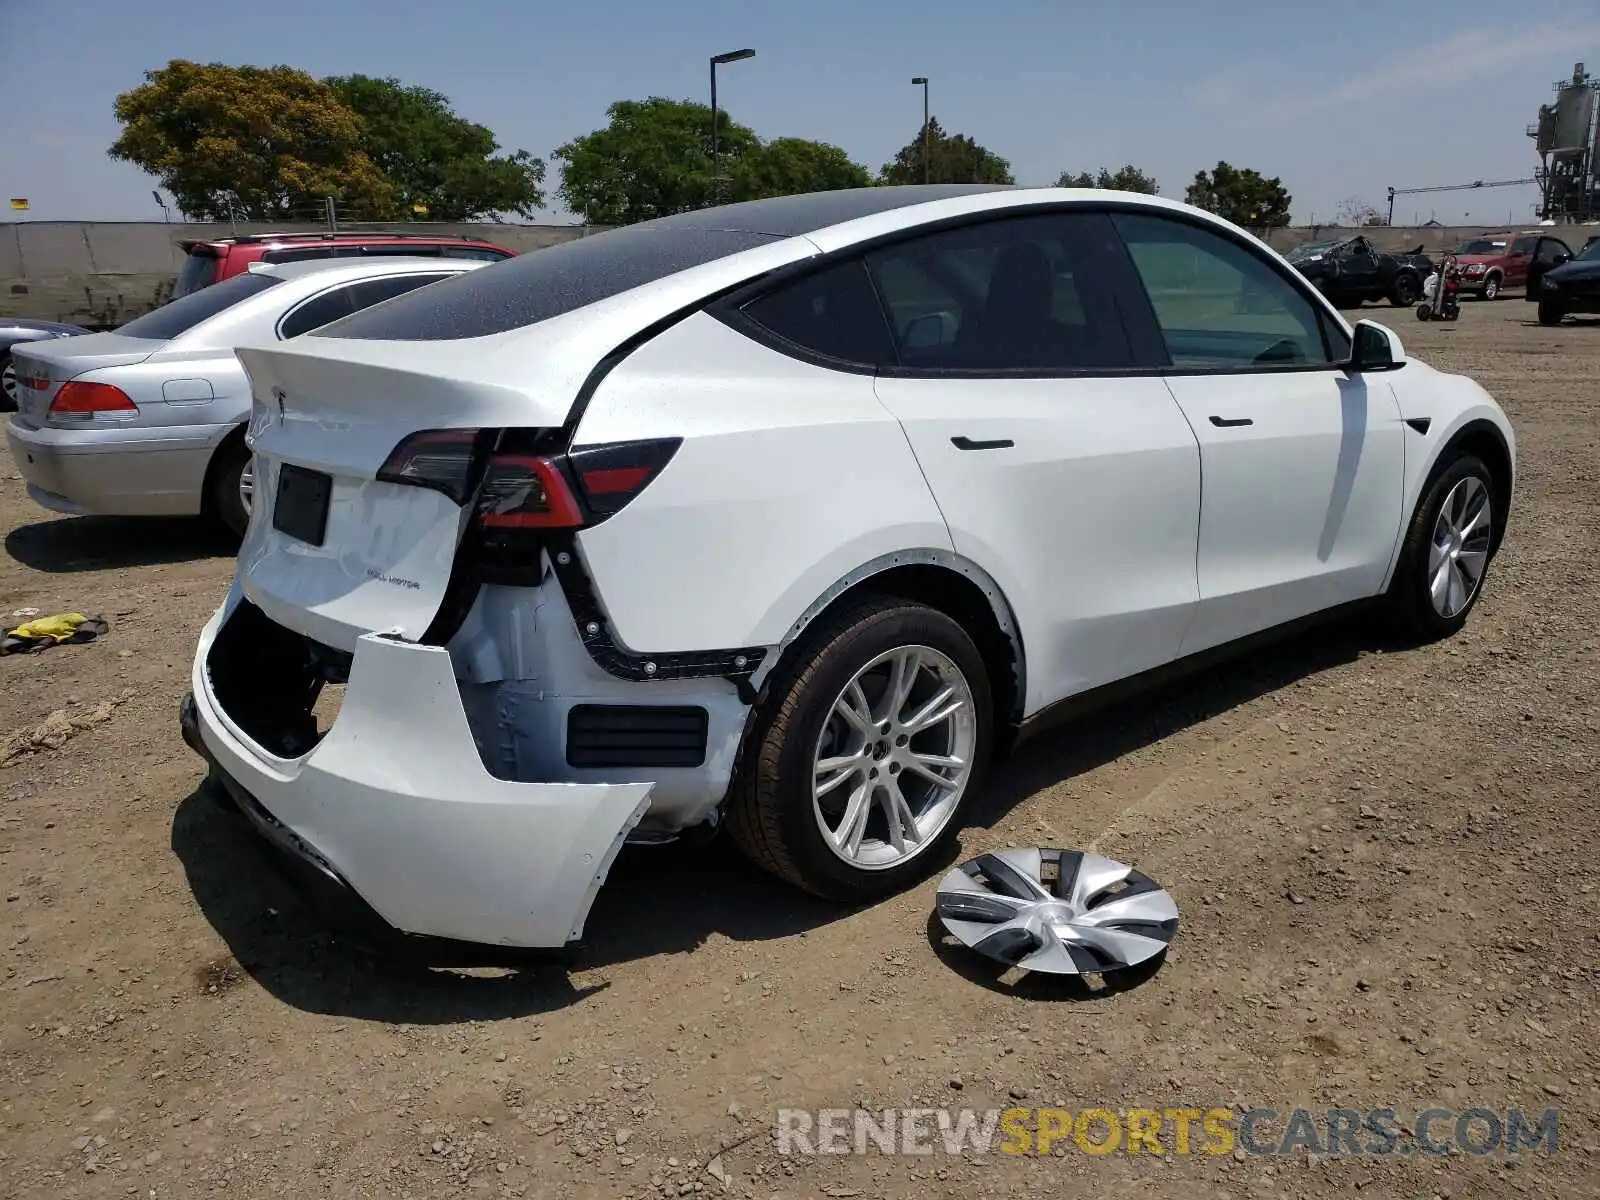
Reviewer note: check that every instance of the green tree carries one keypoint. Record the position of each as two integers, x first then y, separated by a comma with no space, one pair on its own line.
788,166
275,137
439,165
952,158
652,159
1241,195
1124,179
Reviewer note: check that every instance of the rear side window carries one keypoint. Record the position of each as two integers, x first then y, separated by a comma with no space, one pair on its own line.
308,253
352,298
833,312
546,283
199,270
1025,293
181,315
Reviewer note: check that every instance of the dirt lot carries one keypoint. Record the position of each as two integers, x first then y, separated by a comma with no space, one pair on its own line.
1385,859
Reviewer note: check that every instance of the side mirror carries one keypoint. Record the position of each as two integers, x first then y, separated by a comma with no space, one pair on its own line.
1375,348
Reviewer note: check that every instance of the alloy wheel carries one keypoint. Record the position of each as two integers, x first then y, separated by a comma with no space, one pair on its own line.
8,384
247,486
1459,552
894,757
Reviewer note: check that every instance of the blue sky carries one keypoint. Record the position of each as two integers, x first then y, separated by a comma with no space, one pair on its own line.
1341,101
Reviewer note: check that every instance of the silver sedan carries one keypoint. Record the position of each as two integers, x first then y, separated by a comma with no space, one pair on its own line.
149,420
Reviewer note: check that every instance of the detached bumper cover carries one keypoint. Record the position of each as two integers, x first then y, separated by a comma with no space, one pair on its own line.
394,806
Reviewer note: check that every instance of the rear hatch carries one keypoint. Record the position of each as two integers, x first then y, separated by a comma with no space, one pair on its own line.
365,453
42,367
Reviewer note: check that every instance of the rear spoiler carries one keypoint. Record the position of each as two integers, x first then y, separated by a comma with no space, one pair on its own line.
190,246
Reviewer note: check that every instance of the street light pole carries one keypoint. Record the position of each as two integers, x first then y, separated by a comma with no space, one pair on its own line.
923,80
716,61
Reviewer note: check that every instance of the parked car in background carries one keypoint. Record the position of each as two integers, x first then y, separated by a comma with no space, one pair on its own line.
209,262
1571,287
149,419
13,332
1493,262
788,513
1350,271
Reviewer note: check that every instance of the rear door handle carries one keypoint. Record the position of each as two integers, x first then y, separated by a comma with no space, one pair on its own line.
966,443
1231,422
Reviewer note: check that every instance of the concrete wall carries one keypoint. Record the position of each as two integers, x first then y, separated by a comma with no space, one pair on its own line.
102,273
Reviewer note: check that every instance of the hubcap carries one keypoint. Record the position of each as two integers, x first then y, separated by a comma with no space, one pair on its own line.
1460,549
247,486
8,381
894,757
1065,912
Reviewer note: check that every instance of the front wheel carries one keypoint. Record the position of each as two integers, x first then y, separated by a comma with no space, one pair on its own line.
1406,290
1446,552
1491,288
865,754
1550,312
1425,310
10,389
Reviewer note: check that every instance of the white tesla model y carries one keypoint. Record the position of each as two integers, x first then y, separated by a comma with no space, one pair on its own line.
789,514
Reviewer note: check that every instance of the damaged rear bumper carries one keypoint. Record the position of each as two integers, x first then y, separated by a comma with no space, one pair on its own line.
394,830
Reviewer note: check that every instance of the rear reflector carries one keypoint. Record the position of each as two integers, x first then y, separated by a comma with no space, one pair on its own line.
86,399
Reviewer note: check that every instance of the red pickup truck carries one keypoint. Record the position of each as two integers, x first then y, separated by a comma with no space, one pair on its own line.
1492,262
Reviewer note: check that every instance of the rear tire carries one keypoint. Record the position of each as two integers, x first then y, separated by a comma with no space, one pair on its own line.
1407,288
811,773
1450,537
223,500
1550,312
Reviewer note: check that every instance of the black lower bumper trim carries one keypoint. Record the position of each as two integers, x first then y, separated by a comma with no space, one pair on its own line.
323,890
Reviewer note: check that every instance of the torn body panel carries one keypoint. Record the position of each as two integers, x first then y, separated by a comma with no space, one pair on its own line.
396,800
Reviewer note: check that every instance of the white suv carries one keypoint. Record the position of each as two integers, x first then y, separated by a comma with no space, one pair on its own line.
791,513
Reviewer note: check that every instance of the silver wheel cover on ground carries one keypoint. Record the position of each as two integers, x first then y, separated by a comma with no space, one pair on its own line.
894,757
1063,912
1460,549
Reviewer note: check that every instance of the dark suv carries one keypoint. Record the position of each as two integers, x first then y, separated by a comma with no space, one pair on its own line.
209,262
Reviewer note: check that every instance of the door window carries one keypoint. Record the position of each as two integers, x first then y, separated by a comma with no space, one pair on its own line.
1022,293
1222,306
1550,249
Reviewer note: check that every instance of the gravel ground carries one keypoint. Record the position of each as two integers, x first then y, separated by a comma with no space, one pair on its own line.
1384,858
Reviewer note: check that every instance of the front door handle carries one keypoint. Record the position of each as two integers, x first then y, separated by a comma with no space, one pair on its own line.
966,443
1231,422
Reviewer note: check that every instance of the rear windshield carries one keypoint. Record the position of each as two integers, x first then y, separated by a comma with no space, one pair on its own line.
198,270
542,284
181,315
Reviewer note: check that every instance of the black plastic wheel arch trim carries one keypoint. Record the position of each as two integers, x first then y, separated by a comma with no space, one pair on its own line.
736,665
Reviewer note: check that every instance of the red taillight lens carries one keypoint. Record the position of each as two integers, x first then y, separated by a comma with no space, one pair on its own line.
440,459
610,475
37,382
525,491
87,399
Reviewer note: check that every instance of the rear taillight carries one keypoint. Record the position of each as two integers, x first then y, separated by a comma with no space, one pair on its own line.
90,400
522,496
37,382
441,459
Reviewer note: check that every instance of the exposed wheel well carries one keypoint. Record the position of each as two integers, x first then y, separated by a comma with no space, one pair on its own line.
963,600
233,439
1483,440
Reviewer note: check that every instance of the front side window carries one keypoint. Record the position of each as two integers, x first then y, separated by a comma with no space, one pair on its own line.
1221,305
833,312
1019,293
1550,249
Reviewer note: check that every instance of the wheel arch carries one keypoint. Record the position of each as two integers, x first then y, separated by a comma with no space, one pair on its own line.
234,437
955,586
1482,438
